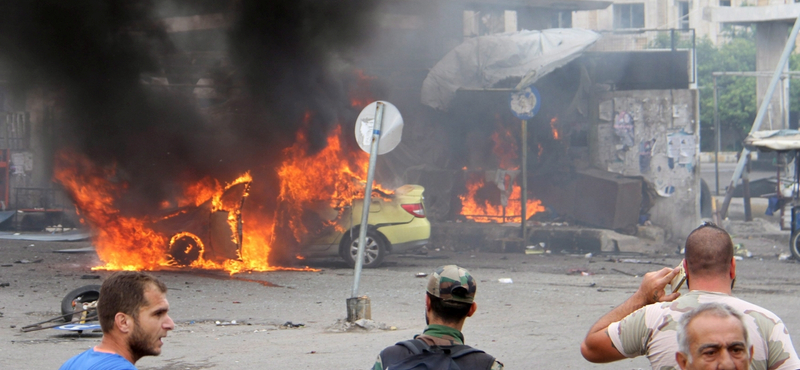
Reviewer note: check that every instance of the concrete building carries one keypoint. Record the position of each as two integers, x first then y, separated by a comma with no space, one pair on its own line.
714,19
700,15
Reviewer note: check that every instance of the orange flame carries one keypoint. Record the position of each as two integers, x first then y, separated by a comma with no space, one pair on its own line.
505,149
553,128
127,243
123,243
476,204
487,211
333,175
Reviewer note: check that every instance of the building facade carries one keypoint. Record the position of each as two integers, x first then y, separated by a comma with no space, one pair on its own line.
666,14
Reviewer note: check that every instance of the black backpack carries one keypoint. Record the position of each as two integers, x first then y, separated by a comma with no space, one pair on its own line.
425,357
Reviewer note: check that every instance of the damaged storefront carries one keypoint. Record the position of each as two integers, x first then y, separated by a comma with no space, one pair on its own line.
614,145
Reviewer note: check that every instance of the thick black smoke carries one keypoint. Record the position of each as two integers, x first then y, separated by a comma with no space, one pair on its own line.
286,53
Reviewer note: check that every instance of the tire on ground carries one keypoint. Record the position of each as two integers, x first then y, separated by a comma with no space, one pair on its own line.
86,293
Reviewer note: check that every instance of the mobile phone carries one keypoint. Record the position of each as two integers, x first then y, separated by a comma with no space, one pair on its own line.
679,279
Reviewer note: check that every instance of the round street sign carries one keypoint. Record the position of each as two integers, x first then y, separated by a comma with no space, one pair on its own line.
525,103
391,127
78,327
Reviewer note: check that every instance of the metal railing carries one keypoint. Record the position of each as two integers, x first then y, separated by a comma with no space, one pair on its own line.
643,40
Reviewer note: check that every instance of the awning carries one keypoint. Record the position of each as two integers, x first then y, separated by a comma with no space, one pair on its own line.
482,62
779,140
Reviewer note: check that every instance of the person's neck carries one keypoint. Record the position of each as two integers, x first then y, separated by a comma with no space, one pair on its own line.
716,285
433,320
112,343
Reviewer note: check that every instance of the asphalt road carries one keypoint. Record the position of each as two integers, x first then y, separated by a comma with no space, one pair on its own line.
538,321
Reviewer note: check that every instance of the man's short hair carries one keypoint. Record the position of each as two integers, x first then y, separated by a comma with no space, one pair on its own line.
708,251
449,311
717,309
124,292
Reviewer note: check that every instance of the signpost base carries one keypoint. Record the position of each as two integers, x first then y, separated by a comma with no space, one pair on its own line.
358,308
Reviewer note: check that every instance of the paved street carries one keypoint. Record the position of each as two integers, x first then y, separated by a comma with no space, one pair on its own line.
538,321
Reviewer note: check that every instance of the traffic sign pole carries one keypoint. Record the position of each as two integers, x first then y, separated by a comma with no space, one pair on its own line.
524,105
362,231
524,183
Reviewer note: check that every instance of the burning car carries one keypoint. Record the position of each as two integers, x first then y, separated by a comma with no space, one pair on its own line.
397,224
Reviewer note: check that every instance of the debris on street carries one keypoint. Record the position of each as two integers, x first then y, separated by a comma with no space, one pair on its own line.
290,325
25,261
579,271
234,322
342,326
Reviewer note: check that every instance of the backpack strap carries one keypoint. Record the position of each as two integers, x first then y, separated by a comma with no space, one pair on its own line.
416,346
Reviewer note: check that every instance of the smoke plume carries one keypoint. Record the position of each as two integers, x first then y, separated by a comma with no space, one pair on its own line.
289,57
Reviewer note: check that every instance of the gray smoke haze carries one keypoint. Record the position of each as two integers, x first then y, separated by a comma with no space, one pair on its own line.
95,53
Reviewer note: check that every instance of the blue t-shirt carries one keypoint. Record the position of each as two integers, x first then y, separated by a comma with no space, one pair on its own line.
94,360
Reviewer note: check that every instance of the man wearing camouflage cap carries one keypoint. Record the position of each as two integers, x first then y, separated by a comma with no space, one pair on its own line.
448,302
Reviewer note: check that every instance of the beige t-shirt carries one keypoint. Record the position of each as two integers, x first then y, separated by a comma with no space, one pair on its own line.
652,331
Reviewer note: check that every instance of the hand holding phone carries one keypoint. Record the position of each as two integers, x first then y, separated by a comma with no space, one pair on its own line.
678,280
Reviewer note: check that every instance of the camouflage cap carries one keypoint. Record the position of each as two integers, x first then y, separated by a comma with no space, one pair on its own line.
452,283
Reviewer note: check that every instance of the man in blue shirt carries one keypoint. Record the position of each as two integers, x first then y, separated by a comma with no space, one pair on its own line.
132,310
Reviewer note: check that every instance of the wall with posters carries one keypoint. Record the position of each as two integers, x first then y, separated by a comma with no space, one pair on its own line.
654,134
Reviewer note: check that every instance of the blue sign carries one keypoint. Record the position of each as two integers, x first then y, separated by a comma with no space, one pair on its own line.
525,103
78,327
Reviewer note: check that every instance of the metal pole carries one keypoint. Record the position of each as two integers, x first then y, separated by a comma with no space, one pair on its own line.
362,232
788,100
785,101
717,136
524,182
787,50
748,213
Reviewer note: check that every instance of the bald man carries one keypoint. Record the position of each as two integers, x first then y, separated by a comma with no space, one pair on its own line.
647,322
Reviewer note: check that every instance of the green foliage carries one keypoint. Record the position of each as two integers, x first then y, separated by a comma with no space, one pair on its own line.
663,40
737,95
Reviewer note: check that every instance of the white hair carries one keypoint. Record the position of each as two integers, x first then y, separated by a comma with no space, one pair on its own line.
720,310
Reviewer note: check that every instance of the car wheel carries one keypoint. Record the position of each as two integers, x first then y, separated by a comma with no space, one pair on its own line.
795,246
184,249
374,251
84,294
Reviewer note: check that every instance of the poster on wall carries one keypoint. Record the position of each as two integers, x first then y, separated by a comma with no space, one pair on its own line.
623,127
681,148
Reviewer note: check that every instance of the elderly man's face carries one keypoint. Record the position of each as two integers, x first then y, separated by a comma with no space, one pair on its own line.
716,343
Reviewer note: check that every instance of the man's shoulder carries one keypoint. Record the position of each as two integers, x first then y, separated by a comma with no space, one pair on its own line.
94,360
738,304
